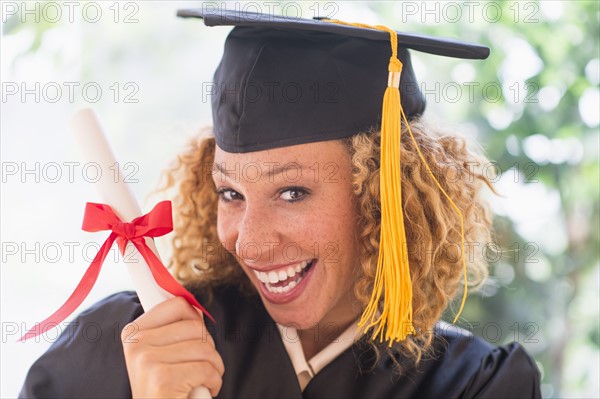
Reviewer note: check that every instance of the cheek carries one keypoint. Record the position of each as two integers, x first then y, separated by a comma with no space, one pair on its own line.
336,233
343,229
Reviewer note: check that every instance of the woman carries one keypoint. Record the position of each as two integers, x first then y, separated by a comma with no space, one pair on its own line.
279,216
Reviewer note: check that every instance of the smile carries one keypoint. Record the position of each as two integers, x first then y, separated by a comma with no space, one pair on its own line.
284,280
281,285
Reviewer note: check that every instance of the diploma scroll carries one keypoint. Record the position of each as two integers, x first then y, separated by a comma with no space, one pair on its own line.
94,148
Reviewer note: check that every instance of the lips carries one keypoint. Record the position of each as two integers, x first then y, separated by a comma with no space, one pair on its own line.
285,284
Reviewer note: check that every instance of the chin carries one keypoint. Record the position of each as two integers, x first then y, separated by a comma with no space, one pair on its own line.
299,320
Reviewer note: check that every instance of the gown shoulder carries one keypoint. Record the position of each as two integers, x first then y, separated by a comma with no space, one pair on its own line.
478,369
87,360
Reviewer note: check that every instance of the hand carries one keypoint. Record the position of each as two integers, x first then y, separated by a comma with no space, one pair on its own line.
169,352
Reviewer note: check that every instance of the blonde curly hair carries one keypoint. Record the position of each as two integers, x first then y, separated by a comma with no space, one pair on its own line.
432,226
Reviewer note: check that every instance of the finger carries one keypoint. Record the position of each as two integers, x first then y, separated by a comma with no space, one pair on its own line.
187,376
183,330
169,311
182,352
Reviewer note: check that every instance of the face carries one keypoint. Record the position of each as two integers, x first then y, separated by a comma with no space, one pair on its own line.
288,215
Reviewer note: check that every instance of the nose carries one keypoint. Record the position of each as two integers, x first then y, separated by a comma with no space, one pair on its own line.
258,234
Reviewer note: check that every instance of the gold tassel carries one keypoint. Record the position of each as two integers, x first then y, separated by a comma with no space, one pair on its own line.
392,286
392,281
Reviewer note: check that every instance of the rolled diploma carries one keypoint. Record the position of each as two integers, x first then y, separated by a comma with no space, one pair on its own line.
94,148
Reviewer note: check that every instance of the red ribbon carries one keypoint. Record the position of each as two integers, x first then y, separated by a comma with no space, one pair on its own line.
100,217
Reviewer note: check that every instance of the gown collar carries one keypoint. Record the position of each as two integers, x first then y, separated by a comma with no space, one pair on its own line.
306,369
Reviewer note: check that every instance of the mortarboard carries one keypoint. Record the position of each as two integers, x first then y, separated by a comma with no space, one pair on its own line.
284,81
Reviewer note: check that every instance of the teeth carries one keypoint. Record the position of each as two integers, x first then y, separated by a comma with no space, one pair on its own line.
262,276
285,288
274,277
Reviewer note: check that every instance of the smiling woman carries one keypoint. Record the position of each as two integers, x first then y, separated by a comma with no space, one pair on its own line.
325,236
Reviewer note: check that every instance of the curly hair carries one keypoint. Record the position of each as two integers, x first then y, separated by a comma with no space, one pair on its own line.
432,226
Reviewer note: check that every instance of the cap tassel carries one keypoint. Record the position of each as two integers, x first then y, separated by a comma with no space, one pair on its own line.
393,286
393,273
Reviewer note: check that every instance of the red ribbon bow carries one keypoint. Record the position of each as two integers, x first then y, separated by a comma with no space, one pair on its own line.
100,217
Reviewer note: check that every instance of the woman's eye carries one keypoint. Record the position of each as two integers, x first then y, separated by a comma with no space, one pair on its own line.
228,195
293,194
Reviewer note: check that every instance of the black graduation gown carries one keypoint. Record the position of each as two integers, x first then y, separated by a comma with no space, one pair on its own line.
87,361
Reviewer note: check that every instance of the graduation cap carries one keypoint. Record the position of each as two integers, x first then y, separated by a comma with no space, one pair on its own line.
284,81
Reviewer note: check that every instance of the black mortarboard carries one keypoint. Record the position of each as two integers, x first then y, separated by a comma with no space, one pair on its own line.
285,81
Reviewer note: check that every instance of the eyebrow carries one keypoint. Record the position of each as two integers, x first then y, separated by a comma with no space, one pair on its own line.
270,173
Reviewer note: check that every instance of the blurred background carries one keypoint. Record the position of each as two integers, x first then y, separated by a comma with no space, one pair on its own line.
533,106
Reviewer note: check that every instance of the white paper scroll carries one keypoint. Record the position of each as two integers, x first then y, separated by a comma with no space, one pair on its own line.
113,191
